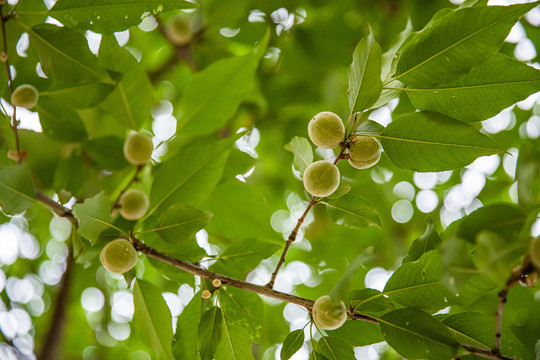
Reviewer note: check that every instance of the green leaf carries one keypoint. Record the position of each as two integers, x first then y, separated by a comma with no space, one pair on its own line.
369,300
108,16
335,348
64,54
506,220
69,174
245,308
107,151
303,152
60,122
418,284
189,176
497,256
483,92
369,127
212,96
358,333
477,329
353,211
94,216
210,328
455,43
430,240
339,291
427,141
244,254
152,319
365,83
292,343
185,345
77,95
235,200
16,189
416,335
131,101
179,223
457,263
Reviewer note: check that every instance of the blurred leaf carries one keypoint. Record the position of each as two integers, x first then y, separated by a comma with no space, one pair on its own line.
64,54
244,308
185,345
59,121
368,300
477,329
190,176
188,251
342,190
131,101
343,285
152,319
482,93
107,151
416,335
430,240
179,223
455,43
358,333
303,152
528,174
457,263
212,96
496,256
476,287
16,189
77,95
365,83
108,16
69,174
245,254
210,329
369,127
335,348
292,343
427,141
506,220
419,284
234,200
353,211
94,216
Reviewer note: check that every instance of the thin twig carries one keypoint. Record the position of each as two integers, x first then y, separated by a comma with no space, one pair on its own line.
516,276
53,338
294,232
134,179
485,353
14,122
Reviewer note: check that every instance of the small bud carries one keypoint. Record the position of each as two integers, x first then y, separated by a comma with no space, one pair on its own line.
3,57
216,283
12,155
206,294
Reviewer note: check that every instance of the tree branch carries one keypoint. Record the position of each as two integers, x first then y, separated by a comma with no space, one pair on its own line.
53,338
5,58
294,233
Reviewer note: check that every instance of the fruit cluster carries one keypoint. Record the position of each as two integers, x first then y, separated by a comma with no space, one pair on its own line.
326,130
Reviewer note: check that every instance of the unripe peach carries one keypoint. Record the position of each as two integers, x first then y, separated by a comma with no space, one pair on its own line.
321,178
119,256
364,152
326,130
138,149
329,314
133,204
179,31
25,96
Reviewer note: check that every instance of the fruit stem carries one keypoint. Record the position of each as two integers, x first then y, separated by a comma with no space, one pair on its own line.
294,233
5,59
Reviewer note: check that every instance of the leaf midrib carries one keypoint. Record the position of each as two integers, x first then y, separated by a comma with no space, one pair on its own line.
465,87
438,143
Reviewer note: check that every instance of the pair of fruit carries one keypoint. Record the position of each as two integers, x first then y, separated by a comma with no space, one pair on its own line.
326,130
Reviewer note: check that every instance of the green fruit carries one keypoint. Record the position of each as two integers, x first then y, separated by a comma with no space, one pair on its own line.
179,31
138,149
25,96
119,256
326,130
535,252
329,314
133,204
364,152
321,178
